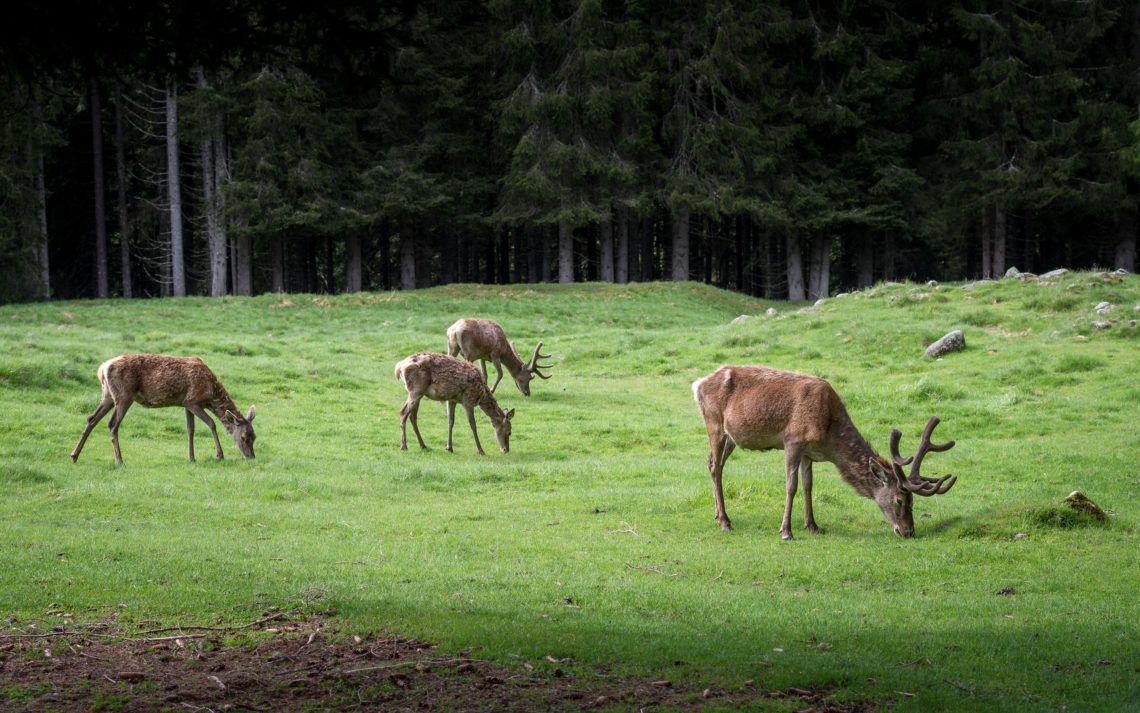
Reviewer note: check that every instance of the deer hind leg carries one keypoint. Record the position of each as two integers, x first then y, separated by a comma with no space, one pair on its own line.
450,423
116,420
719,449
100,411
410,411
792,457
474,431
809,516
201,413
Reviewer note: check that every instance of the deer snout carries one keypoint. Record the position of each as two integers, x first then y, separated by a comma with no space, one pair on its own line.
904,532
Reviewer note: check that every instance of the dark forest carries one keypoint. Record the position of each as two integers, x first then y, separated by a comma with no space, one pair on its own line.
788,150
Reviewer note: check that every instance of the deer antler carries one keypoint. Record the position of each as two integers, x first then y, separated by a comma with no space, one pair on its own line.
533,366
916,482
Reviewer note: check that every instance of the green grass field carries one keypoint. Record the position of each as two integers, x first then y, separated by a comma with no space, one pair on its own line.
594,538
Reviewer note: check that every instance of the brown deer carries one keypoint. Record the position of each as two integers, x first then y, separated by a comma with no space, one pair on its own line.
758,408
157,380
454,381
482,339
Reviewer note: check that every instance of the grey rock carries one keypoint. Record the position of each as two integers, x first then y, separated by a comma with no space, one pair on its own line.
953,342
1104,307
742,318
771,312
1012,273
1053,274
1101,324
976,283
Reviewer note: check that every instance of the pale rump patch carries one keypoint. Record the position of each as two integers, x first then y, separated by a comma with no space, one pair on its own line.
696,390
727,377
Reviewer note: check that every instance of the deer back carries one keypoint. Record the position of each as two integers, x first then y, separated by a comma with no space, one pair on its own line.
480,339
441,378
761,408
156,380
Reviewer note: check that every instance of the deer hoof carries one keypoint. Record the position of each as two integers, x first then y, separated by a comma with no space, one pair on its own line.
725,524
786,535
813,528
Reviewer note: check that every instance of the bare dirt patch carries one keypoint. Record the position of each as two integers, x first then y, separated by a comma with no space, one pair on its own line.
310,667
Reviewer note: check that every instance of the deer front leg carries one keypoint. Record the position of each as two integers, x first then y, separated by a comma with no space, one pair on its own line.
719,451
190,432
114,423
100,411
474,431
792,457
201,413
809,517
450,423
498,368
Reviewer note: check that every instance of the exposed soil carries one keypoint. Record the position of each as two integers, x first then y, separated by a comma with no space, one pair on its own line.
308,667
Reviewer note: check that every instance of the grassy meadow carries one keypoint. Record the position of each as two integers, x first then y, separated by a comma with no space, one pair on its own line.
594,538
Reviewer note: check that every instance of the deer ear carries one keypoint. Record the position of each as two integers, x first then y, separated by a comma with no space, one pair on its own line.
229,417
510,414
252,412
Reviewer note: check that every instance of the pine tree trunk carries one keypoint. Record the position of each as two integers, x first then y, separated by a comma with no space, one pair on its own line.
565,252
174,187
865,262
36,156
101,273
606,248
987,242
121,196
243,265
519,264
278,259
533,253
215,241
648,264
621,258
795,265
1125,257
503,273
681,219
820,278
407,258
999,241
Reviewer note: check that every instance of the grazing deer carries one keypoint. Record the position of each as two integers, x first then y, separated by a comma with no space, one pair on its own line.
760,409
482,339
157,380
454,381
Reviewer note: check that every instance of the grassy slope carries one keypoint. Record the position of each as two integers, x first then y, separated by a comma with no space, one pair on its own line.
604,501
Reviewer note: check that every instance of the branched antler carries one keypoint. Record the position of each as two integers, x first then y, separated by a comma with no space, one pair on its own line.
915,482
533,366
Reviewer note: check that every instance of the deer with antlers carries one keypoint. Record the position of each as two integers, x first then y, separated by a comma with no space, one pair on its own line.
157,380
758,408
454,381
482,339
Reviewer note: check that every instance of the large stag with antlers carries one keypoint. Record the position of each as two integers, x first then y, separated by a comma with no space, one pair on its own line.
157,380
454,381
482,339
758,408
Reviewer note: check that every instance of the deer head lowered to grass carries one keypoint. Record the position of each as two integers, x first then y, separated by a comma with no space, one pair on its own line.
454,381
157,380
482,339
758,408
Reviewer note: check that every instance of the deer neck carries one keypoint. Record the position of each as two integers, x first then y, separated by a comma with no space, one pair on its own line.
512,361
220,406
853,457
491,407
